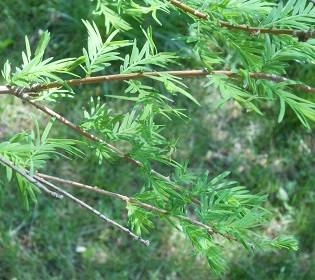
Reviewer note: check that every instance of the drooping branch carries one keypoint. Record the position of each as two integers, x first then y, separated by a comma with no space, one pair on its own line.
133,76
302,35
94,211
30,179
24,96
130,200
102,191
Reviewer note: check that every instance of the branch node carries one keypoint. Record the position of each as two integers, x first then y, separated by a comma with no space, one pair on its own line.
19,91
36,87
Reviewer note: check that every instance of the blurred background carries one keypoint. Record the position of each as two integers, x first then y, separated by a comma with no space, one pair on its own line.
60,240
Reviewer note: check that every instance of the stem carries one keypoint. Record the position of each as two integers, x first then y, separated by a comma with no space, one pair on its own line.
130,200
302,35
106,78
132,76
102,191
30,179
94,211
24,96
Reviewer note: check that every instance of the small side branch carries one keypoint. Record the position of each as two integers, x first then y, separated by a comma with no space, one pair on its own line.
130,200
94,211
30,179
302,35
24,96
101,191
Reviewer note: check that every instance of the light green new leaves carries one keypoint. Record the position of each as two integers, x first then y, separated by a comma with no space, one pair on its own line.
142,133
174,85
139,219
112,19
26,189
296,14
99,54
32,149
115,12
239,11
122,126
150,98
288,242
140,61
205,246
229,209
277,56
303,108
155,6
221,200
229,90
36,69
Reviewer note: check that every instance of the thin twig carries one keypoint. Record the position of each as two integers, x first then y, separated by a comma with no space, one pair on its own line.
24,96
97,213
30,179
132,76
302,35
102,191
122,197
130,200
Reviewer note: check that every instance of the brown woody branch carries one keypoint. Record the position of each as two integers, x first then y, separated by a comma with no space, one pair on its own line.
302,35
101,79
132,76
130,200
102,191
24,96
